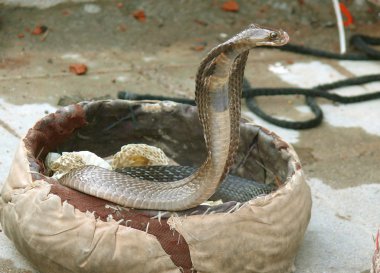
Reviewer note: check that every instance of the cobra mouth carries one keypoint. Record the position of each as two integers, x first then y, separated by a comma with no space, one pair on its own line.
282,39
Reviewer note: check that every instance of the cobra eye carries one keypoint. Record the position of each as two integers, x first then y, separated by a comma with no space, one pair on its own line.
273,35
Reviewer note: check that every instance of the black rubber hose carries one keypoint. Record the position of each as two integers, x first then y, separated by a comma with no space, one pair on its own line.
125,95
318,91
298,125
362,43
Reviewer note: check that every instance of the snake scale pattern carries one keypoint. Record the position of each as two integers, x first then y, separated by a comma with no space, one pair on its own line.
217,94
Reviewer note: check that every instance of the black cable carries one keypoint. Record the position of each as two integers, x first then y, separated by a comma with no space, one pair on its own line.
321,91
362,43
298,125
125,95
310,94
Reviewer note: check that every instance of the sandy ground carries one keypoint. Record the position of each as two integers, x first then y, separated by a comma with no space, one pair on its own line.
161,55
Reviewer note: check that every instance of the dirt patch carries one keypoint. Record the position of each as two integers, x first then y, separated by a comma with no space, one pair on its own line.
155,56
341,157
13,63
7,266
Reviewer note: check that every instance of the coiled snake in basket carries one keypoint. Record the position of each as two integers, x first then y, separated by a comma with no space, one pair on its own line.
217,94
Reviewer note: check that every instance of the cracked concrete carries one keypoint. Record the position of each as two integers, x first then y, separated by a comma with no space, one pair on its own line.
340,157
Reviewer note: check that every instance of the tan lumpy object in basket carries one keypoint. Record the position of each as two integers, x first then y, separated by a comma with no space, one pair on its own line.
135,155
62,230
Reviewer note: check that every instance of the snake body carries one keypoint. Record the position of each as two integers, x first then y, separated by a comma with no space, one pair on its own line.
231,187
217,94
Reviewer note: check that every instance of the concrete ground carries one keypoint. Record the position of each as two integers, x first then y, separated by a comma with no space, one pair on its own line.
161,55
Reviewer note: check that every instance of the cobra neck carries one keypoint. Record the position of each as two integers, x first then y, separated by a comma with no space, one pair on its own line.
213,99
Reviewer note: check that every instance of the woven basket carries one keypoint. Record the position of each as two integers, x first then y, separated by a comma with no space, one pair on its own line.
61,230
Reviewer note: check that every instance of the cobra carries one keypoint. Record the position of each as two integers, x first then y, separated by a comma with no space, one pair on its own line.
217,94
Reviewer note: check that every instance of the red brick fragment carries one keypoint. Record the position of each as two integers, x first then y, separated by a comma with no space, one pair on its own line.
139,15
231,6
78,69
40,29
200,22
200,45
122,28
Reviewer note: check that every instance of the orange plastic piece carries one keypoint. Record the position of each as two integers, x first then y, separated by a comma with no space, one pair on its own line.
231,6
346,12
